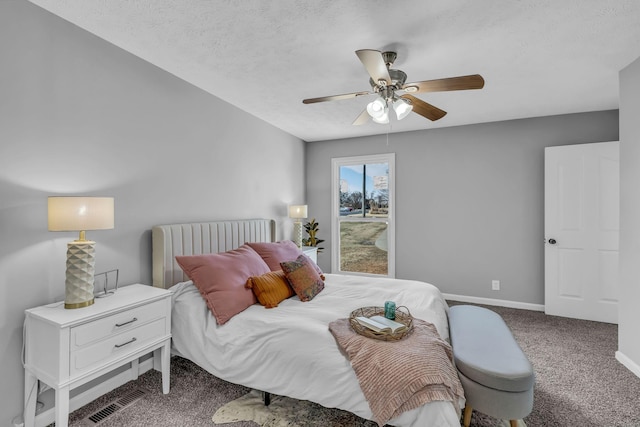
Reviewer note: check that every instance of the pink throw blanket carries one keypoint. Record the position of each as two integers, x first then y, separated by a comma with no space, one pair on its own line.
397,376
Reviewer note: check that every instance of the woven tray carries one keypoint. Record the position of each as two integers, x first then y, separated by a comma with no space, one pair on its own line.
401,317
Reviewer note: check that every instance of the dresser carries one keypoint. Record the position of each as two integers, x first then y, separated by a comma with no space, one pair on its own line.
66,348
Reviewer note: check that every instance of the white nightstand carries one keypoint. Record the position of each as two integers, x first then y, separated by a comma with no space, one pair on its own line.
68,348
311,252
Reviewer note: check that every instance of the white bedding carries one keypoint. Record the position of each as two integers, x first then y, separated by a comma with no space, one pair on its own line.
289,351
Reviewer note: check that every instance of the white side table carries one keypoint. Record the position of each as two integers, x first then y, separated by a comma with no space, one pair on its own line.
67,348
311,252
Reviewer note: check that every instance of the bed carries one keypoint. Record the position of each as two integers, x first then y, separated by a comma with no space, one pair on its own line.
287,350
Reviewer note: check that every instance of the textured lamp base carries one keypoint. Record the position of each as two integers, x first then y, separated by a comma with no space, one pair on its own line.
81,261
297,233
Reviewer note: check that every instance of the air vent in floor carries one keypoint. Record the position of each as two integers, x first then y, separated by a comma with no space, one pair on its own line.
104,413
118,404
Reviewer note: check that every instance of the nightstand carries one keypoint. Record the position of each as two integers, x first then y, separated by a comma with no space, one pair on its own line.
68,348
311,252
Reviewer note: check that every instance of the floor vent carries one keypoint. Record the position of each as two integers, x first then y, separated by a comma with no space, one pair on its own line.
120,403
104,413
131,397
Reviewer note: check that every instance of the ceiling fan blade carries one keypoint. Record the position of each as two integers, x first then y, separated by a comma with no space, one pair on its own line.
474,81
425,109
334,97
374,64
362,119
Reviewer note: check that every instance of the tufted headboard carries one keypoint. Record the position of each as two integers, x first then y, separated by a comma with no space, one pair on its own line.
201,238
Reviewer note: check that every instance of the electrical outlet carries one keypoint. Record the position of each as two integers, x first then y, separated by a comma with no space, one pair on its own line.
495,285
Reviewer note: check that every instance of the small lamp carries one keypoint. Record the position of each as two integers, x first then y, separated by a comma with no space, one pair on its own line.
297,212
80,214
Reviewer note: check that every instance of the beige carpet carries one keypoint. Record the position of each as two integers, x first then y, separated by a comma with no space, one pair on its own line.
287,412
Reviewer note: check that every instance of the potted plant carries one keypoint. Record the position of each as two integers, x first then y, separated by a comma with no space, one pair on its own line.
312,228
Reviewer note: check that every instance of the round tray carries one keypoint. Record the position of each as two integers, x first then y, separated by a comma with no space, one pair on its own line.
401,317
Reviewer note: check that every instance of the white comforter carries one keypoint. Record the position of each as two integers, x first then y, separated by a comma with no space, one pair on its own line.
289,351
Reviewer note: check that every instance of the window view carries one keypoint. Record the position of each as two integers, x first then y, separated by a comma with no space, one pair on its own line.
363,217
363,247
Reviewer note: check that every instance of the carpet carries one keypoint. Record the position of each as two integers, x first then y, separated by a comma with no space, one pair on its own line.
287,412
578,383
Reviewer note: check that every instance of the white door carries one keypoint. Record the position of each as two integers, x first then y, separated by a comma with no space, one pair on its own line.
582,206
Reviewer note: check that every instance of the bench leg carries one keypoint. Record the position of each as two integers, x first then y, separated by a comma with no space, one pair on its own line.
467,415
513,423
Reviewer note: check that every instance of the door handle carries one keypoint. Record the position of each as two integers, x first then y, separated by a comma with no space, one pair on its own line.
552,241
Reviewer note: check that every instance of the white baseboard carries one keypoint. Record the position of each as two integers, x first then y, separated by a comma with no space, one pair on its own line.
628,363
46,415
496,302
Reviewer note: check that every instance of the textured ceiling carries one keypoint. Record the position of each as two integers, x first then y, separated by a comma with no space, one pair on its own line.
538,57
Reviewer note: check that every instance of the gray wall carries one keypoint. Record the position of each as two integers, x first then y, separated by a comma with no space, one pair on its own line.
629,315
80,116
470,204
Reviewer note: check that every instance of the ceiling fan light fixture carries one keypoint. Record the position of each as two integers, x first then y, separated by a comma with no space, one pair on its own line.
402,107
377,108
383,119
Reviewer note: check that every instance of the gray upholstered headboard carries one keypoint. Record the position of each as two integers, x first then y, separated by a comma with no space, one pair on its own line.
201,238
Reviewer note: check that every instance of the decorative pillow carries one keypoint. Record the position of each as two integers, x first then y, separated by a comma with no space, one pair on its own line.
303,277
275,253
221,279
271,288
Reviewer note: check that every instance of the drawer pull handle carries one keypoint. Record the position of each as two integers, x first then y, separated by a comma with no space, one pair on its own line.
128,342
135,319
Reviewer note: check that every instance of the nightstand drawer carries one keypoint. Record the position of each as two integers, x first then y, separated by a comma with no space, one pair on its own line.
115,324
117,345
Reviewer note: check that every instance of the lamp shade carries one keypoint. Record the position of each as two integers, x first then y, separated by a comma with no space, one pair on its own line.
298,211
402,107
80,213
377,108
383,119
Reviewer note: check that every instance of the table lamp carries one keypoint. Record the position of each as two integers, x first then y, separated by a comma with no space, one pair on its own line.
297,212
80,214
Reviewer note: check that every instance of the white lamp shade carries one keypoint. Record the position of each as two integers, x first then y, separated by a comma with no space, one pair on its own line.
402,108
383,119
80,213
377,108
298,211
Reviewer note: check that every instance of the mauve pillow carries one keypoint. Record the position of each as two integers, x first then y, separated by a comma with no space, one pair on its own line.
275,253
303,277
221,277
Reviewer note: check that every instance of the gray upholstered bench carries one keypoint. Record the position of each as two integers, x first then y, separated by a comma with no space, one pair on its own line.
496,375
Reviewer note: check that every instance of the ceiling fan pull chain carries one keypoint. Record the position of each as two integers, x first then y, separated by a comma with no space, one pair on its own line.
388,131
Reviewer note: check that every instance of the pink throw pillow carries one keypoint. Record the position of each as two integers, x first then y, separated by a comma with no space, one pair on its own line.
273,253
221,279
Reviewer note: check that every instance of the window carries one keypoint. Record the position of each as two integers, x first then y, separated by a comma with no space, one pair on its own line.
363,215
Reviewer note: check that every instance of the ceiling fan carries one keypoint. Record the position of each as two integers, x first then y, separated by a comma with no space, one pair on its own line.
392,90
